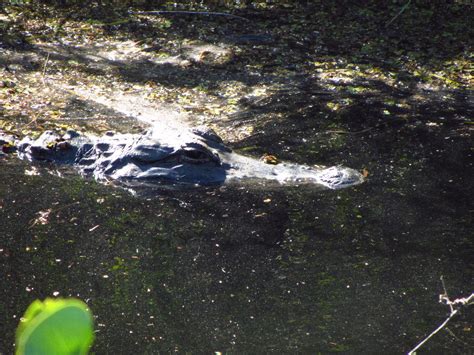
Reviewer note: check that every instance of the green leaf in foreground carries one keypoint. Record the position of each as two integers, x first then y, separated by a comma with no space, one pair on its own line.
55,326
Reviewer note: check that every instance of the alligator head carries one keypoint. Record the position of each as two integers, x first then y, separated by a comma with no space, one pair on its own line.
197,156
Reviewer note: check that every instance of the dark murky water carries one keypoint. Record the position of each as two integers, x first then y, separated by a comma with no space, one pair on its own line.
252,269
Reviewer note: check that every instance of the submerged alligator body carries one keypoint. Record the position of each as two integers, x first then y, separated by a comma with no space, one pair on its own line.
197,156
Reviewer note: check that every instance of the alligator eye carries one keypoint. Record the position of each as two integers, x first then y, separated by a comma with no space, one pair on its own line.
195,155
198,156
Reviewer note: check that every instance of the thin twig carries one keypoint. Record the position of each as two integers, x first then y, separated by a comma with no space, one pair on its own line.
188,13
44,66
433,333
399,13
445,295
450,332
465,301
348,132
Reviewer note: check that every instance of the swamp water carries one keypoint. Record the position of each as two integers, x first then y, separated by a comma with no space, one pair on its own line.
255,269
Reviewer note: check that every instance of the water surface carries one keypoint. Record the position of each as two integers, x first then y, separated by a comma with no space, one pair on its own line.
251,268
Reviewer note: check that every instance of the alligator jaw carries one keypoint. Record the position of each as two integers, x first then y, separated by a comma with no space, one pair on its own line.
335,177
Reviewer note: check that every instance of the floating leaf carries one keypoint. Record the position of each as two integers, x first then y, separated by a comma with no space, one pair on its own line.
270,159
43,218
55,326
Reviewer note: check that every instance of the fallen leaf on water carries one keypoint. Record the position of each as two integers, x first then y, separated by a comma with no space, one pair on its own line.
204,55
270,159
43,218
94,228
31,172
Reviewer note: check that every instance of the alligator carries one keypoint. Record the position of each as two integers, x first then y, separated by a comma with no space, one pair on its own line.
194,156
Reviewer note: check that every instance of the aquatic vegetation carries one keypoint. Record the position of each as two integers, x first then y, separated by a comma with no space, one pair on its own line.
55,326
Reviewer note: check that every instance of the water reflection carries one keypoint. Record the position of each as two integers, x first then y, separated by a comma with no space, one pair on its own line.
238,268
